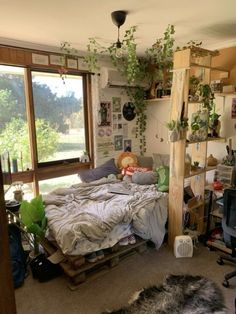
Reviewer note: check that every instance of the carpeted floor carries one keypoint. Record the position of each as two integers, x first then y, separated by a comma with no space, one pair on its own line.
115,288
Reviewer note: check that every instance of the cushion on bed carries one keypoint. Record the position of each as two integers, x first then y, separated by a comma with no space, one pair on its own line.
132,169
145,161
89,175
142,178
160,160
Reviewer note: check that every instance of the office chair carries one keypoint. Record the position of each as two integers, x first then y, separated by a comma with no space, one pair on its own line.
229,231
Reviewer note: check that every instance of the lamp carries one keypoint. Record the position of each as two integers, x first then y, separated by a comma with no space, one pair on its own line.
118,18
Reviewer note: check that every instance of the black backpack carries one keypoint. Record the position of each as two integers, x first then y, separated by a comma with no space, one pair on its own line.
17,256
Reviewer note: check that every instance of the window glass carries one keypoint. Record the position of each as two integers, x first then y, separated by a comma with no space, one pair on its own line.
47,186
14,134
59,116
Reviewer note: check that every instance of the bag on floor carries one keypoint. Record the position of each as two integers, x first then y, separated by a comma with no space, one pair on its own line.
43,270
17,256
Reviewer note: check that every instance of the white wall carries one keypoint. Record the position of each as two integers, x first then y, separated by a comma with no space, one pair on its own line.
104,145
158,113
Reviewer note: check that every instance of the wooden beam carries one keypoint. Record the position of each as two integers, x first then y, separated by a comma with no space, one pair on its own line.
7,303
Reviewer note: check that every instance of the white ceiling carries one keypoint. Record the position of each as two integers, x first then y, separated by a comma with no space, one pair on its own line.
44,24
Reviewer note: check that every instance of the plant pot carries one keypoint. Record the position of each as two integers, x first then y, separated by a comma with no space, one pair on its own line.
174,135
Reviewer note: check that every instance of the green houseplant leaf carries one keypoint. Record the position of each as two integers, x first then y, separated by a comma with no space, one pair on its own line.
33,216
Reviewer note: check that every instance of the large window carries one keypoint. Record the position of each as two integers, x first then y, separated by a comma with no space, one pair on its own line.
45,122
59,116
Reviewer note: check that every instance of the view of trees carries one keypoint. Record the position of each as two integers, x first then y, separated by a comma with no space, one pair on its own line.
53,116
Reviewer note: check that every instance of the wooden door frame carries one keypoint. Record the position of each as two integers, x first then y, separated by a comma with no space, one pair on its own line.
7,304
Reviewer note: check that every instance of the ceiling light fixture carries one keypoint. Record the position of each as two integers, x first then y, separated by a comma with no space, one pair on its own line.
118,18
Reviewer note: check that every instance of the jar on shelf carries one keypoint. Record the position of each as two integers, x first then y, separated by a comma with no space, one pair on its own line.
211,161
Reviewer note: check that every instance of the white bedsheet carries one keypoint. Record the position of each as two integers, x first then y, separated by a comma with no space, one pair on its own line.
86,217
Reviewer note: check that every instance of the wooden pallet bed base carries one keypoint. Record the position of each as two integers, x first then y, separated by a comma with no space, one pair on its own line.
78,270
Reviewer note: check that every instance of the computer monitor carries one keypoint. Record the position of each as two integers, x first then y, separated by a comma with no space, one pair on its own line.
230,208
229,218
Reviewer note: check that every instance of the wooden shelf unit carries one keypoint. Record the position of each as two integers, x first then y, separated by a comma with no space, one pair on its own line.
184,61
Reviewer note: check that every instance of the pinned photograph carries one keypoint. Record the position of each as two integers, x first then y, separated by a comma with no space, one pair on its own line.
118,140
116,104
233,113
105,114
127,145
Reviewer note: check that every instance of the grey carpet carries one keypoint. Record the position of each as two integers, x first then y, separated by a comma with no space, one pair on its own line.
115,288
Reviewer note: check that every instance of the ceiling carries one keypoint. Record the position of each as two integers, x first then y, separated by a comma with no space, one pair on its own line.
45,24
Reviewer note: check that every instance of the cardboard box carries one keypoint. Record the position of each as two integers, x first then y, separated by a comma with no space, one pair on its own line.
229,89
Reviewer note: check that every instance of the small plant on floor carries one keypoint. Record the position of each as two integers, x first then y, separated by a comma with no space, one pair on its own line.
33,218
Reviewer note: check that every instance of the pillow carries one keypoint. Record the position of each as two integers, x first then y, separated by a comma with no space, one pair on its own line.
163,178
89,175
130,170
160,160
142,178
145,161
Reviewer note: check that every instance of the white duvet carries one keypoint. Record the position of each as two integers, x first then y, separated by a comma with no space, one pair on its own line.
86,217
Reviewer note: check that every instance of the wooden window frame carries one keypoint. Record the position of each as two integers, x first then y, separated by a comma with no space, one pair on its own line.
14,56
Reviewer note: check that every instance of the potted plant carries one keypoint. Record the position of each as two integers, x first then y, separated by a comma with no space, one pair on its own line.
33,218
160,61
173,127
199,126
214,124
193,87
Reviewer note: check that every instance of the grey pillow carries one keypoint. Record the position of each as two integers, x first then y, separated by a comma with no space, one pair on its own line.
145,161
89,175
160,160
149,177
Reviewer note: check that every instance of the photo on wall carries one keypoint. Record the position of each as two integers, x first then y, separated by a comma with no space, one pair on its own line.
118,141
127,145
104,117
116,104
233,113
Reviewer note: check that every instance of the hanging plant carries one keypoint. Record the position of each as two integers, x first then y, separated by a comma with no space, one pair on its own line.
66,50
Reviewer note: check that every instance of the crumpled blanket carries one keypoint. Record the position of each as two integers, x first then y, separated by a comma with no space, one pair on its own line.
88,212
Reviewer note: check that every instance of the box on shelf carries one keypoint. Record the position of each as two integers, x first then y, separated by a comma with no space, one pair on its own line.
226,174
228,89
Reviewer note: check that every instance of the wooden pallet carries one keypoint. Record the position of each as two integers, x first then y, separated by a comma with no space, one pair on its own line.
78,270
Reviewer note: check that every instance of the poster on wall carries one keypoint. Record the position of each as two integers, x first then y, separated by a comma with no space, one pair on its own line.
116,104
233,113
127,145
105,148
104,117
118,142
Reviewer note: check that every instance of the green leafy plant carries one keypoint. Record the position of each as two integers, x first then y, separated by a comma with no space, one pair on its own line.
172,125
160,58
33,217
207,96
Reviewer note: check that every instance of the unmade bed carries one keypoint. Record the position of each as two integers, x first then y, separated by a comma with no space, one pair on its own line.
87,217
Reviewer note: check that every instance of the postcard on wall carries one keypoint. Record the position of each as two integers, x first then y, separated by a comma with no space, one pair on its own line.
125,130
104,116
233,113
40,59
118,141
72,63
116,104
56,60
120,126
82,65
127,145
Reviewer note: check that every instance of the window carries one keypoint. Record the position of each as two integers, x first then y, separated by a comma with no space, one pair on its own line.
59,116
45,122
14,134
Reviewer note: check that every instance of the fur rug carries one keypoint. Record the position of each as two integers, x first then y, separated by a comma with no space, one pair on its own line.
183,294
